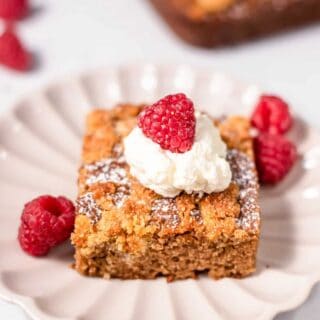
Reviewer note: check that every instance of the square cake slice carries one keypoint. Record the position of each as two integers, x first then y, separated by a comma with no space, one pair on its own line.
125,230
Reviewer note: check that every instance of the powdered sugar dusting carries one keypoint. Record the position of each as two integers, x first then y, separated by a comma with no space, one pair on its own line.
112,170
244,175
120,196
196,214
88,206
166,210
108,170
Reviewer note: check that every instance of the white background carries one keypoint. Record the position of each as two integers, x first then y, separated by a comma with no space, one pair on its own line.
70,36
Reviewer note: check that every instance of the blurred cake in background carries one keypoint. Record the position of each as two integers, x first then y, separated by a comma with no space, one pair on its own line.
211,23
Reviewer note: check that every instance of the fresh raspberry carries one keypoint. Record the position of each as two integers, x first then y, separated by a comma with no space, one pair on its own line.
170,122
272,115
45,222
12,52
275,156
13,9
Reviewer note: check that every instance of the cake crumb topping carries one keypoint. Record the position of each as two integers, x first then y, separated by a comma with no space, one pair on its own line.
88,206
244,175
166,210
120,196
107,170
196,214
111,170
117,150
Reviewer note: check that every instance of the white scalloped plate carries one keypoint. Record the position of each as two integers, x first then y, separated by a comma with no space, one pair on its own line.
40,140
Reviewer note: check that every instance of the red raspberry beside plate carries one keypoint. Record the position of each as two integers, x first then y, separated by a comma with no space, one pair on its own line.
45,222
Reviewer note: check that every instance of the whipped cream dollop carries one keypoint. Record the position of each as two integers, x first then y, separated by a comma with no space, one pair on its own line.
201,169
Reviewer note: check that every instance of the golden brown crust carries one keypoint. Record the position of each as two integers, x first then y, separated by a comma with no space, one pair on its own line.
119,219
235,131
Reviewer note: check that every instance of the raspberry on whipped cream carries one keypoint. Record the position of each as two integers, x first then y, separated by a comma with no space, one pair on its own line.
202,168
170,122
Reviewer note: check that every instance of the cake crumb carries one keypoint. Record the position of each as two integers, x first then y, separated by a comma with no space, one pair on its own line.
87,205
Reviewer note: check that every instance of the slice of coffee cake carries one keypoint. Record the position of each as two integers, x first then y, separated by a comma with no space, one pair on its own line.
128,231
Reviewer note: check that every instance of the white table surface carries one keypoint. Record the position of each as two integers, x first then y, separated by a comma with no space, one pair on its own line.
71,36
